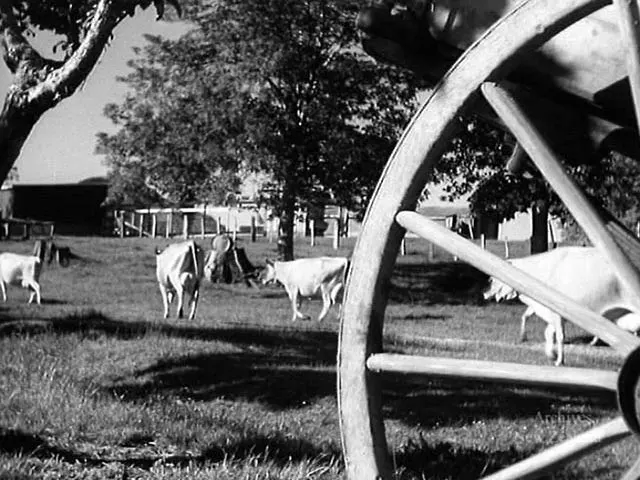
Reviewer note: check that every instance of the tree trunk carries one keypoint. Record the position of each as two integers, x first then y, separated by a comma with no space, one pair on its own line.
15,126
539,226
287,218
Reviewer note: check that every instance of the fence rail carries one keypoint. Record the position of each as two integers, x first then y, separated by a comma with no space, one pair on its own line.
25,228
185,222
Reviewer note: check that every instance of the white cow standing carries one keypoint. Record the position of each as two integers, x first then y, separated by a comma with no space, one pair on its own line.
580,273
180,269
20,270
306,277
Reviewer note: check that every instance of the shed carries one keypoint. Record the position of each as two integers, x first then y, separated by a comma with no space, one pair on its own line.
75,208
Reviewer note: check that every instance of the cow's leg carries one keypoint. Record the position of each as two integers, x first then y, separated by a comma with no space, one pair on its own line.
180,293
594,341
165,299
4,290
295,305
194,303
549,340
560,341
326,303
35,292
523,323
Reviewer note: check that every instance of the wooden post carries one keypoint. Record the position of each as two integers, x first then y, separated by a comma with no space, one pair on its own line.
121,220
312,231
227,227
132,223
169,226
219,225
52,229
154,225
235,228
185,225
506,248
336,234
253,229
141,225
203,220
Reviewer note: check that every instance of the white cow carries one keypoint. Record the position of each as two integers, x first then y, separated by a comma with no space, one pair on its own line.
180,269
305,277
580,273
21,270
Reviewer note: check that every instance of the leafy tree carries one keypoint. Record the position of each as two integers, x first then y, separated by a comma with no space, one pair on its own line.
178,129
316,113
39,83
475,164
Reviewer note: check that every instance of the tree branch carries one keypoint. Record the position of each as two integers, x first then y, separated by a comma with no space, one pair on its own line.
63,81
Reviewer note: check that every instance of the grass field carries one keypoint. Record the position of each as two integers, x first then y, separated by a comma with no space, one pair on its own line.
95,384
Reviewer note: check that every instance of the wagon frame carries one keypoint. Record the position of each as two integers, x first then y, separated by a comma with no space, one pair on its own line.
485,72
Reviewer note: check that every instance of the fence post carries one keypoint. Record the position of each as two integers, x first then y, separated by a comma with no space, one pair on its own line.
203,221
121,220
141,225
235,228
154,225
483,241
506,247
52,229
253,228
336,234
185,225
312,231
219,225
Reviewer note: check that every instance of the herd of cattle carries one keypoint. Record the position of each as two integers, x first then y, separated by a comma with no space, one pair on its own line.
580,273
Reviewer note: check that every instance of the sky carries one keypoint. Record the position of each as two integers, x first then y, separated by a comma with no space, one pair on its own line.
61,146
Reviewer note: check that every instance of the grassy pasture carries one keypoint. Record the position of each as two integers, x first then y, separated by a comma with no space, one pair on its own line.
95,384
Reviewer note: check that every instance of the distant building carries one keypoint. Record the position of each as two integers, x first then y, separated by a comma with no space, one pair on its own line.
75,208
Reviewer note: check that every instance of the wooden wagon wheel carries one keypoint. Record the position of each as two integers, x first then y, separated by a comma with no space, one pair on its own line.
361,357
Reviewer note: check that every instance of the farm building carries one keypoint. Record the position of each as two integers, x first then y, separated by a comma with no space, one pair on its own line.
75,208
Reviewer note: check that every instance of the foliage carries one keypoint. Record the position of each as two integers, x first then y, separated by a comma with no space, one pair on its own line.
178,127
317,114
81,32
475,165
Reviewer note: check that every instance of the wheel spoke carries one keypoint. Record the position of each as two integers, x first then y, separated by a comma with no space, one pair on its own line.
619,339
634,472
629,17
575,200
532,375
564,452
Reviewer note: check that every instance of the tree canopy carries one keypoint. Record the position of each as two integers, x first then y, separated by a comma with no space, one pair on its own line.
289,92
41,81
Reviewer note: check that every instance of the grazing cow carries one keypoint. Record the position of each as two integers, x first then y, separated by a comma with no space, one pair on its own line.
21,270
580,273
305,277
180,268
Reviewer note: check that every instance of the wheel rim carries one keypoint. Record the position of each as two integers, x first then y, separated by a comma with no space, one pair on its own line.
424,140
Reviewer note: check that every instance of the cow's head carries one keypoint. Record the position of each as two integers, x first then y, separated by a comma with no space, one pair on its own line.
268,273
218,256
499,291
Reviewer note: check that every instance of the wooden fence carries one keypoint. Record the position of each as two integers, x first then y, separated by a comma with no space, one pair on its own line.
25,228
185,222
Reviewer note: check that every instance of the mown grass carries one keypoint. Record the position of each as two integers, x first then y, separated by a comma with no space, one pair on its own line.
95,384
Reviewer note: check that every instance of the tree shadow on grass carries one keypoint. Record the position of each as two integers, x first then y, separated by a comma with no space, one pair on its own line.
453,283
273,448
431,403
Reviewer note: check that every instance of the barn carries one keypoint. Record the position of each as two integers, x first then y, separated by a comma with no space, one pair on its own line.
75,208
